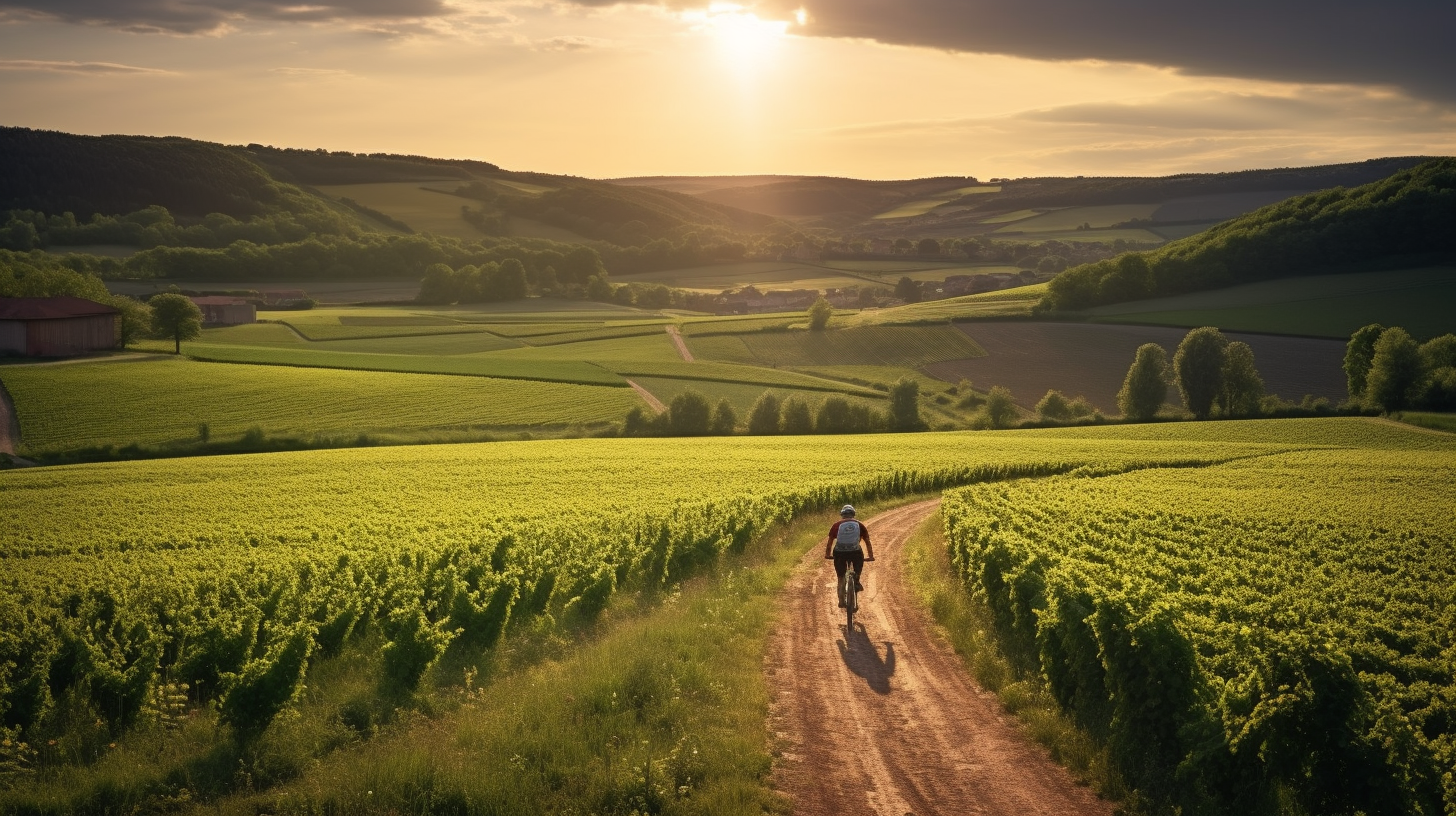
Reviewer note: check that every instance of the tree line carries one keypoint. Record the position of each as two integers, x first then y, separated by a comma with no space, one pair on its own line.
1389,371
1408,215
692,414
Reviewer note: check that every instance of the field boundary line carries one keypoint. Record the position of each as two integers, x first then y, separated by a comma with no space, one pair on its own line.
677,340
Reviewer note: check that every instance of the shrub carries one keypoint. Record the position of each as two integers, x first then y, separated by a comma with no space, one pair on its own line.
764,418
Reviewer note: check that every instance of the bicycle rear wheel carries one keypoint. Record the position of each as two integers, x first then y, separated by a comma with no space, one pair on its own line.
851,601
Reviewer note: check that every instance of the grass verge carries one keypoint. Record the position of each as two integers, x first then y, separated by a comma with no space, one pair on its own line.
967,624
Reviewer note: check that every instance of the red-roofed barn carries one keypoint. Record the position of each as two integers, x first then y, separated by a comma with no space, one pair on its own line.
55,326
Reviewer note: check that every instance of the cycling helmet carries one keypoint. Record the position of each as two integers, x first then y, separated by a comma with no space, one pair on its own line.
847,510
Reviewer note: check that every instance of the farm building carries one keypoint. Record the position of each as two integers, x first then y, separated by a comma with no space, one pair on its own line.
55,326
219,310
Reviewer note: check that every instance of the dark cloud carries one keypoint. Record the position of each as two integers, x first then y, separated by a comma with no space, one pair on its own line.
202,16
1405,43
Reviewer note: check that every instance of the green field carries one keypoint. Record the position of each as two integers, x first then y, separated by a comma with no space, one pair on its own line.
1218,624
491,364
1069,218
908,346
1319,306
1436,422
426,210
729,373
925,205
354,556
160,401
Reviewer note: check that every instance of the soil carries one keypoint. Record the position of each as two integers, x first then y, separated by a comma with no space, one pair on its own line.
677,340
9,423
1091,359
885,720
647,395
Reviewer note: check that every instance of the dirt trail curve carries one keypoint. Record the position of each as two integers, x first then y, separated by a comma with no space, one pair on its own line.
651,399
888,722
677,340
9,423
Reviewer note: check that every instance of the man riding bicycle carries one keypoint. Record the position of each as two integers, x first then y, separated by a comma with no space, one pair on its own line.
843,547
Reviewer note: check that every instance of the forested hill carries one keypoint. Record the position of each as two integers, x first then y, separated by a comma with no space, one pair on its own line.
1410,215
55,173
1031,193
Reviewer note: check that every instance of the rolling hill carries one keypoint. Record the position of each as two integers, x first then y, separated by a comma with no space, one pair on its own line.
1404,220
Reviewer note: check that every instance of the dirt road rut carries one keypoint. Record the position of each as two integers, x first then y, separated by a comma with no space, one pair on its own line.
884,720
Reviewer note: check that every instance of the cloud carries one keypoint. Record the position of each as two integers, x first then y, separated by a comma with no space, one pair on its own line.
1404,43
70,67
311,73
573,43
208,16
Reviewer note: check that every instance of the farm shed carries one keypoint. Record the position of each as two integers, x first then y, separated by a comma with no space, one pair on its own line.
55,326
226,311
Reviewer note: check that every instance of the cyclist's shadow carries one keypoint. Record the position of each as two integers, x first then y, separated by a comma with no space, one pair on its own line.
860,655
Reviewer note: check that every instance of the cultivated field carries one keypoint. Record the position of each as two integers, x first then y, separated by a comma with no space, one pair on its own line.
159,401
395,568
424,209
1091,360
1226,621
1320,306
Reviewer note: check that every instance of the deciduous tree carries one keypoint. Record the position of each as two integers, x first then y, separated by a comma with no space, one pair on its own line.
1198,368
764,418
797,418
1359,353
177,317
1000,407
1243,388
725,419
1395,372
905,405
1146,385
819,314
689,414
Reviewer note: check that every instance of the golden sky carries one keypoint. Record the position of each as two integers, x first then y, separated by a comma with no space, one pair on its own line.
603,90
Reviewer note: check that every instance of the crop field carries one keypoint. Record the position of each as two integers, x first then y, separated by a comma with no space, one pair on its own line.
1069,218
152,402
911,346
489,364
223,571
654,347
729,373
426,210
925,205
767,275
1091,360
1319,306
1204,619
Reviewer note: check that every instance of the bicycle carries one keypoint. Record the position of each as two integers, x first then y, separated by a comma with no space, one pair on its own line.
850,595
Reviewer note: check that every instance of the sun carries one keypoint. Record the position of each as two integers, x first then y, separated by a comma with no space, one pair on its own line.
740,34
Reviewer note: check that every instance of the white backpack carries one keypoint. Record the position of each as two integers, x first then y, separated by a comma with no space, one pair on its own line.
848,538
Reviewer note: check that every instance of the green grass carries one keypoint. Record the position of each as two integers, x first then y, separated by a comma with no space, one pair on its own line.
877,377
656,346
925,205
1003,303
741,396
729,373
1319,306
1100,217
151,402
908,346
1436,422
426,210
490,364
273,335
726,348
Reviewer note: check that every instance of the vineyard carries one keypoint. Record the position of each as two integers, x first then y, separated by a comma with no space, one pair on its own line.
1271,634
135,592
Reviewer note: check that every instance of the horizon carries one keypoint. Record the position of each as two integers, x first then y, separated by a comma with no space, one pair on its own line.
836,88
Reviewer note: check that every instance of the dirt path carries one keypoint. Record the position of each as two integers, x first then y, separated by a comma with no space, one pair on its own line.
677,340
888,722
9,423
647,395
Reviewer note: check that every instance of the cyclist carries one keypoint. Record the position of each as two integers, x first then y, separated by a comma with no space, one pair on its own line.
843,546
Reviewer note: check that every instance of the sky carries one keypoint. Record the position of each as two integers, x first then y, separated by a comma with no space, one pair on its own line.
865,88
